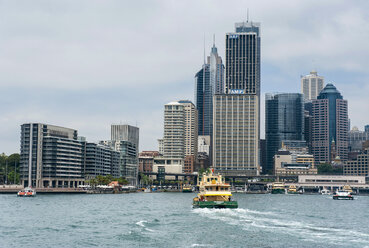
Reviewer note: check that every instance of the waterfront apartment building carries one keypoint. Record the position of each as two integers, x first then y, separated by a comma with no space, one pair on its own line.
50,156
356,138
284,120
128,158
312,85
329,125
101,160
236,134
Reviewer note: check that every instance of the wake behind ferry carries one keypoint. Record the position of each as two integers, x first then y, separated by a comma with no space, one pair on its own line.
214,193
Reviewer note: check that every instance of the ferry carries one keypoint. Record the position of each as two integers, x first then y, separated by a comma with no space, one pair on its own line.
27,192
292,189
347,188
342,195
187,188
214,193
278,188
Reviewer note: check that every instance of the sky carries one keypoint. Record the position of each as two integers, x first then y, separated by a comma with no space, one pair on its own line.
89,64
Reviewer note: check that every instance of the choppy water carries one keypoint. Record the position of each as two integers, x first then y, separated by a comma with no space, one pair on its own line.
167,220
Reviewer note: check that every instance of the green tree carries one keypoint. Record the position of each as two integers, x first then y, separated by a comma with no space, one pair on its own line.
13,178
324,169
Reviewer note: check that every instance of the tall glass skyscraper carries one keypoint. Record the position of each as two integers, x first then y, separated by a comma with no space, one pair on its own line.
208,81
237,111
284,120
329,125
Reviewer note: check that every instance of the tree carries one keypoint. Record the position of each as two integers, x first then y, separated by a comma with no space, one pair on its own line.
13,176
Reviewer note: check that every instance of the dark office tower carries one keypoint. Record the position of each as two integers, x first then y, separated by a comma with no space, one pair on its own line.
208,81
308,130
243,59
329,125
284,120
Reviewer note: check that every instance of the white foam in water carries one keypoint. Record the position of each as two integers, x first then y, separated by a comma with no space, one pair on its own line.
251,218
141,223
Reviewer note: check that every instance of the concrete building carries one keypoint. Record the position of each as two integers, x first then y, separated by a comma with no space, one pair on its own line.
293,162
311,85
204,144
329,125
236,134
284,120
53,159
164,165
101,160
359,166
124,132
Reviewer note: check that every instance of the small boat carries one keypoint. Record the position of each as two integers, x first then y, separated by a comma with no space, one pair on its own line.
325,192
214,193
147,190
342,195
27,192
278,188
292,189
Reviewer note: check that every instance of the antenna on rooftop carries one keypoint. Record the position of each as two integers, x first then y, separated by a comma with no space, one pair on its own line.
247,15
213,39
204,48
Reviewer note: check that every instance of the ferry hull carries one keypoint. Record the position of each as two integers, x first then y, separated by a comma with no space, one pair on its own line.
335,197
215,204
187,191
278,191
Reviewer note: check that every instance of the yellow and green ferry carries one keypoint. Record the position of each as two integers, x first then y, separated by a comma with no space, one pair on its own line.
214,193
187,188
278,188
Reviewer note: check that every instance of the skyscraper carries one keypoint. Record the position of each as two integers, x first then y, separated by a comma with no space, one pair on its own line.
124,132
329,125
284,120
237,111
208,81
311,85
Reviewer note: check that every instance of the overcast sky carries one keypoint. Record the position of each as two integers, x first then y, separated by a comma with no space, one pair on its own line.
88,64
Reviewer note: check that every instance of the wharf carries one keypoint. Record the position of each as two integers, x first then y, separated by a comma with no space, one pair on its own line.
15,189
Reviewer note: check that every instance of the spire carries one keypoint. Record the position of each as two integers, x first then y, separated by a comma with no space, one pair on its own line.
213,40
204,49
247,15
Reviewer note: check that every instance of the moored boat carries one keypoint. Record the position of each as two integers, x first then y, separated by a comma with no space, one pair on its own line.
325,192
342,195
214,193
278,188
292,189
27,192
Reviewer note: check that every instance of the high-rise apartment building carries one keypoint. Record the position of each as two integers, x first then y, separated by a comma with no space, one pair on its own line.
311,85
329,125
180,132
284,120
236,121
50,156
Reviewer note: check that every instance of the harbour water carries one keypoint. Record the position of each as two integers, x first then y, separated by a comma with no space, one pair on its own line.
168,220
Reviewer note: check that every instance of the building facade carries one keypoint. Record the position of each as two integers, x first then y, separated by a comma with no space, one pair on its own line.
329,125
284,120
312,85
358,166
236,124
126,133
146,160
50,156
101,160
236,134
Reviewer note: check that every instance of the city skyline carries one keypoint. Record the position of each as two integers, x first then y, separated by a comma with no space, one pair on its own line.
53,76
